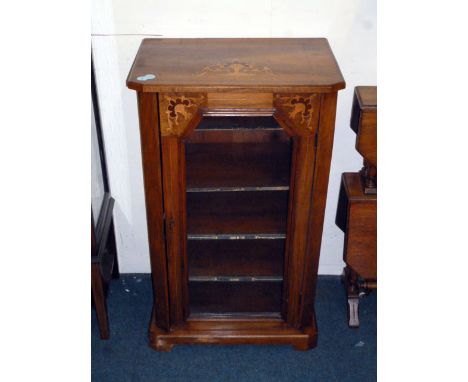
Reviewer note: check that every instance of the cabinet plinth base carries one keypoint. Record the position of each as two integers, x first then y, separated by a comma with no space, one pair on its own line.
224,331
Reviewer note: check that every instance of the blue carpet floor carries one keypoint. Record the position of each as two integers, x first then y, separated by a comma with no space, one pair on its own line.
342,354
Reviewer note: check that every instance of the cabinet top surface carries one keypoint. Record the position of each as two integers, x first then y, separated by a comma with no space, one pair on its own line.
263,64
353,185
367,96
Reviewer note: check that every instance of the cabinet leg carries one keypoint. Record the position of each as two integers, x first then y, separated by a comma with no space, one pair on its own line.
352,292
369,178
353,312
161,345
311,340
157,339
302,346
305,345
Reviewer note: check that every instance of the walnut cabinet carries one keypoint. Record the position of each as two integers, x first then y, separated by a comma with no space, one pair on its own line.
236,138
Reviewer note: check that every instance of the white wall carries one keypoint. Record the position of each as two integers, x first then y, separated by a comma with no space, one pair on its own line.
118,27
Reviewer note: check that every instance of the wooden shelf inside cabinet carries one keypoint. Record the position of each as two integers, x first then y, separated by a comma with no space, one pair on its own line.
236,158
237,212
236,147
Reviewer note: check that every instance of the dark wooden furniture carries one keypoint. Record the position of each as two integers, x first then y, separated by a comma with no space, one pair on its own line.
103,247
236,138
364,124
357,205
103,262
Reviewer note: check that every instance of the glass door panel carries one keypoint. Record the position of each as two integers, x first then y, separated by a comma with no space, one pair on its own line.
238,171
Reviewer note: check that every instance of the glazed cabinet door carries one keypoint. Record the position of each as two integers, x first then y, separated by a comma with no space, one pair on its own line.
237,188
237,178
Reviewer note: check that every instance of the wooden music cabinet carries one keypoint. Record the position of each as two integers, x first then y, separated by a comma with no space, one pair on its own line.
236,138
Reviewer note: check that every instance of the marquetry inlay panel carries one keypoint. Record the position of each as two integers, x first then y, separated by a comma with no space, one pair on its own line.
300,112
177,110
235,68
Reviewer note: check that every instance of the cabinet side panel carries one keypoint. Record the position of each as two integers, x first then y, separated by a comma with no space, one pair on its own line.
151,156
319,199
174,199
361,238
298,223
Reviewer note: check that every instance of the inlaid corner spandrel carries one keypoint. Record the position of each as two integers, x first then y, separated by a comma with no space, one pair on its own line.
299,111
177,110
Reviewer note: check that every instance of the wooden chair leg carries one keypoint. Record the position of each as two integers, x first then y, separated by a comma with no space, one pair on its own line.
97,287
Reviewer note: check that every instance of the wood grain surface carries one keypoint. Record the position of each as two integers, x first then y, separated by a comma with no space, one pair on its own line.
240,65
237,137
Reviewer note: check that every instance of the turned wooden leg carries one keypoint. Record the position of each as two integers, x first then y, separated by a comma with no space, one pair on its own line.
369,178
97,288
353,312
352,292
